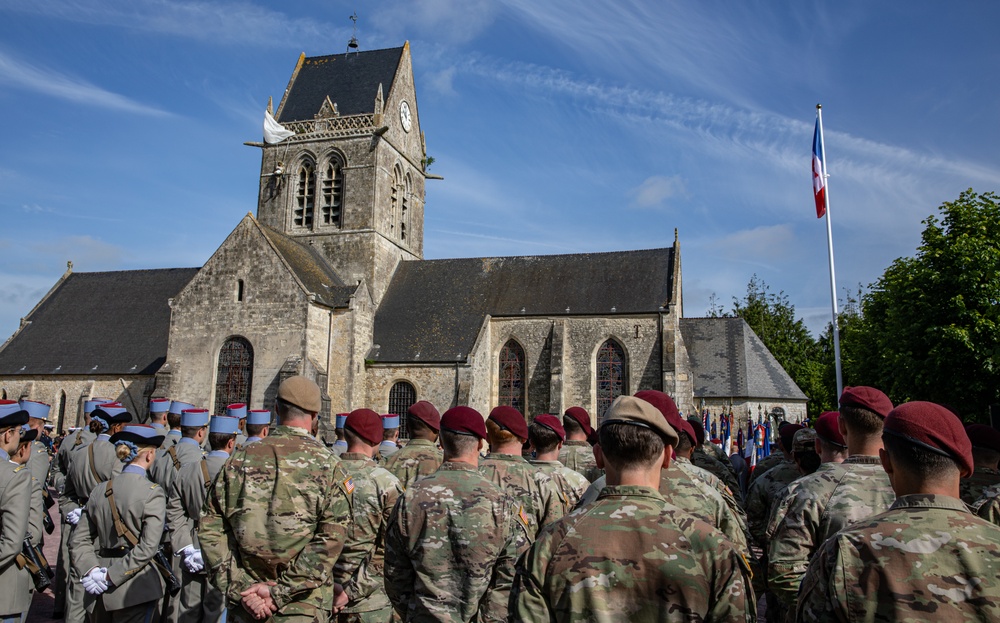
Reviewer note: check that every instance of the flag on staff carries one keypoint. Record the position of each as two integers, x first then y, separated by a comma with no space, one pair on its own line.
767,438
819,180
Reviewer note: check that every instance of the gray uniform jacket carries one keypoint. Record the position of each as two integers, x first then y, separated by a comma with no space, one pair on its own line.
187,496
15,502
80,480
163,470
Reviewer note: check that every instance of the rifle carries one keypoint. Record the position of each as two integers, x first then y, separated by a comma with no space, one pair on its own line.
32,558
49,503
163,566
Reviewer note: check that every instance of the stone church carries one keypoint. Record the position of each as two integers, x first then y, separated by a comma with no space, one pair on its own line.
328,280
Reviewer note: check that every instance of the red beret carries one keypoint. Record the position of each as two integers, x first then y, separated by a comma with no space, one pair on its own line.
426,413
366,424
932,427
866,398
983,436
465,421
511,419
787,435
582,418
552,423
828,430
665,404
698,428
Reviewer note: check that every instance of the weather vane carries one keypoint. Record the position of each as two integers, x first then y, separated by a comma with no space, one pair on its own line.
353,43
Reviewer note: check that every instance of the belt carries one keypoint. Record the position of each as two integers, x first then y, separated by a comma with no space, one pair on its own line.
112,552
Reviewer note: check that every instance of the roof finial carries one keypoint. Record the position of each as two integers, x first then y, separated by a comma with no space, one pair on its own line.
353,43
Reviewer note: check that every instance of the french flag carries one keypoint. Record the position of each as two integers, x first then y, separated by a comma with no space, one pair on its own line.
819,181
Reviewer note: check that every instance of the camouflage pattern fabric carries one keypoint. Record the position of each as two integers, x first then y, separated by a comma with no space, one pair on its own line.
532,490
570,483
723,471
418,458
278,511
972,488
763,494
816,507
713,481
925,559
579,457
375,494
632,556
988,505
765,464
450,548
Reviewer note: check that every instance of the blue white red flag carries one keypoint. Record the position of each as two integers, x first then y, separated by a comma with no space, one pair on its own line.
819,180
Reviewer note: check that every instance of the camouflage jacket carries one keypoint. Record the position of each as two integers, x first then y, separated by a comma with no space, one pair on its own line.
579,457
713,481
450,548
531,490
925,559
972,488
816,507
569,482
762,496
375,494
418,458
765,464
631,556
279,511
988,505
721,468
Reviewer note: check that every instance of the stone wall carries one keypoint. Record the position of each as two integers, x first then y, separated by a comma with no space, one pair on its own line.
67,394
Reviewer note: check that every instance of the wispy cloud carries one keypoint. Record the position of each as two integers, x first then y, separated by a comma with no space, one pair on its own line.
451,21
37,209
656,189
24,75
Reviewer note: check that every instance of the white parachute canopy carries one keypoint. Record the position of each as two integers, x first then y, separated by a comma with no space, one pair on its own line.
274,132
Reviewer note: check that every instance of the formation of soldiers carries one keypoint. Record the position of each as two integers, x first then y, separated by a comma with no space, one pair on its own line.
876,513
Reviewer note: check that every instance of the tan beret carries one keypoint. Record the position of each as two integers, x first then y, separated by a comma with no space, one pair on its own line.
638,412
302,393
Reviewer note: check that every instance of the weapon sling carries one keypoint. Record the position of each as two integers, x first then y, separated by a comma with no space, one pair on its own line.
123,532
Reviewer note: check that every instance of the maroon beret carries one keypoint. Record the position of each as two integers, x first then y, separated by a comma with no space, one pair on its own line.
426,413
866,398
665,404
932,427
787,435
465,421
828,429
983,436
511,419
366,424
552,423
698,426
582,418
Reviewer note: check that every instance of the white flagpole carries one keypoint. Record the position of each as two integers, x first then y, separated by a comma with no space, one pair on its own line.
829,244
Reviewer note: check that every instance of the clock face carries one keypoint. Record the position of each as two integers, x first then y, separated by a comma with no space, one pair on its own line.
404,115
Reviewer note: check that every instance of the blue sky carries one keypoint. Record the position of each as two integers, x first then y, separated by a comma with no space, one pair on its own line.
559,126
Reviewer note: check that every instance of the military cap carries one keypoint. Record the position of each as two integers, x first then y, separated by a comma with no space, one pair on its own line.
932,427
804,440
552,423
828,430
139,434
637,412
426,413
867,398
787,435
698,426
93,403
28,434
159,405
366,424
582,418
301,392
510,419
194,418
35,409
464,421
389,420
112,413
224,424
178,407
666,405
341,418
983,436
258,417
237,410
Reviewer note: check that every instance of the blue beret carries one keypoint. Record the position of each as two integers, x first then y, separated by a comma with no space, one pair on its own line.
194,417
159,405
225,424
341,420
178,407
258,417
390,421
139,434
238,410
36,409
93,403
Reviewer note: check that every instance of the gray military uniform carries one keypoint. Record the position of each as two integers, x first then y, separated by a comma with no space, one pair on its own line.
15,502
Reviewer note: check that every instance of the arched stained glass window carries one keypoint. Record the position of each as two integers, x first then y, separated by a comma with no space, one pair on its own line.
401,398
611,376
511,378
235,373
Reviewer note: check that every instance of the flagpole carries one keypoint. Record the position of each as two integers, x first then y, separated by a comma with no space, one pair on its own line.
829,244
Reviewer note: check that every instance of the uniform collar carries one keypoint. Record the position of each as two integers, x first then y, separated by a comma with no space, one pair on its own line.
252,439
420,442
630,491
134,469
340,442
218,453
104,437
928,500
174,432
862,459
455,466
506,457
190,441
3,455
354,456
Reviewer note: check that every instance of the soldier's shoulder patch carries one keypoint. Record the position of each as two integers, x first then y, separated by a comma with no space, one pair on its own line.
20,467
523,516
349,485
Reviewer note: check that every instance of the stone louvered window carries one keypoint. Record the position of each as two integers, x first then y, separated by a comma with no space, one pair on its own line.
401,398
235,373
404,216
511,377
333,192
396,199
611,376
305,196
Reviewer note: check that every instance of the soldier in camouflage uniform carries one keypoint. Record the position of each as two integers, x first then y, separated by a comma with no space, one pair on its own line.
277,516
772,460
504,466
988,505
576,452
926,558
765,490
420,456
454,536
631,555
546,436
986,454
711,459
375,493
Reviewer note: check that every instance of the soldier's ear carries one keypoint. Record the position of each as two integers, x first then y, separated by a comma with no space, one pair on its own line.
886,461
598,456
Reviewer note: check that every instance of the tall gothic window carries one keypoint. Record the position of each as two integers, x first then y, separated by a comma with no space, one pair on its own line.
396,200
333,192
401,398
305,196
404,216
611,376
511,381
235,373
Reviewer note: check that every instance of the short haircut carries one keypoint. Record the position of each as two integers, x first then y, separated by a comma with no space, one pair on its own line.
985,456
174,420
807,460
626,446
387,433
353,438
418,429
543,438
571,425
683,442
288,410
499,436
862,421
457,444
921,462
190,431
832,448
254,430
218,441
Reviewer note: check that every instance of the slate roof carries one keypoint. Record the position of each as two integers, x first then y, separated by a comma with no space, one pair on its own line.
98,324
433,309
312,269
351,80
728,360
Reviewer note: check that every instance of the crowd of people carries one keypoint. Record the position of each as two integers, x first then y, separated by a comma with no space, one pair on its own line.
873,513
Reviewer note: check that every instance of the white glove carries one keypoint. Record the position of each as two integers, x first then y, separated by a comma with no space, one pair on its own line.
96,582
73,517
193,561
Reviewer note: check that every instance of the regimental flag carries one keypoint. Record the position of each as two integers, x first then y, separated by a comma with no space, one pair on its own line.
819,181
